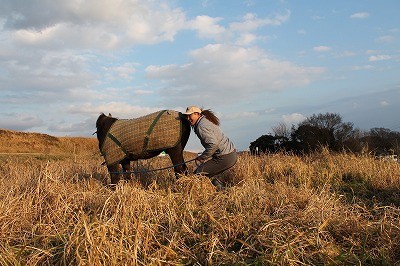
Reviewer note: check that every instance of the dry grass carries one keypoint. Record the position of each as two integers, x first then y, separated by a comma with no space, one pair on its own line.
279,210
42,144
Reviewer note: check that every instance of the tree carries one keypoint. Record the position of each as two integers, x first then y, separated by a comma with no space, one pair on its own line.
330,131
281,130
342,131
382,140
311,138
264,144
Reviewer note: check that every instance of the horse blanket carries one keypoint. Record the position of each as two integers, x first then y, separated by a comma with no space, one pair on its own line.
137,137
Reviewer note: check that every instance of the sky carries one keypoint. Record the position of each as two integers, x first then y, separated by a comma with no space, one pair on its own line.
255,63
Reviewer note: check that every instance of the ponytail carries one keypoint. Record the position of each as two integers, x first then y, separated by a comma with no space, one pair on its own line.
210,116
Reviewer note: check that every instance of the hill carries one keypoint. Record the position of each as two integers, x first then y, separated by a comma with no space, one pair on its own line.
12,142
16,142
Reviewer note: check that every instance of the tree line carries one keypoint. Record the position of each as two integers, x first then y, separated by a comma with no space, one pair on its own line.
327,130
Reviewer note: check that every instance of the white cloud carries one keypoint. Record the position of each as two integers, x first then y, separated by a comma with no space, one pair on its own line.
321,49
223,73
87,125
302,32
293,118
375,58
246,39
50,75
19,121
207,27
385,39
239,115
372,52
123,71
251,22
364,67
143,92
240,32
360,15
316,17
347,54
92,24
384,103
117,109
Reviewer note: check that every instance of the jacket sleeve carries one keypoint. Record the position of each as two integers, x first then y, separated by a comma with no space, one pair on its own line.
209,137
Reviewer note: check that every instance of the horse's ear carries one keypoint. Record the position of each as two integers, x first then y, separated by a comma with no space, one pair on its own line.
109,114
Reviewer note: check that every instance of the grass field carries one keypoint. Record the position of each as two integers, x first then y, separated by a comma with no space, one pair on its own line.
322,209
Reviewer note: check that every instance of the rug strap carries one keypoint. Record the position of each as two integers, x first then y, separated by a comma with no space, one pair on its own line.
151,127
116,141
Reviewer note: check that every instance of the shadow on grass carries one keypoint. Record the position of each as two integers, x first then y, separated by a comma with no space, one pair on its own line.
355,187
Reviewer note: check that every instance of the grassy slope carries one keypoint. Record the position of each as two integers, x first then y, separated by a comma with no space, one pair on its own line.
22,142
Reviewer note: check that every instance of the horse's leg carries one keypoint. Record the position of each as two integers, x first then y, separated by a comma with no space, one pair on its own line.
176,156
176,153
126,167
113,170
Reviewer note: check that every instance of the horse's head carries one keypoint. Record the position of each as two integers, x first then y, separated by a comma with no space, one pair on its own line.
102,119
103,124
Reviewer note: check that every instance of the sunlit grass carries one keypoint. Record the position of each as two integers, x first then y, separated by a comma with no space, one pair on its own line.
277,210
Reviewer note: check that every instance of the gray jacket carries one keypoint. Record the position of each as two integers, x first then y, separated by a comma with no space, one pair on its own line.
212,139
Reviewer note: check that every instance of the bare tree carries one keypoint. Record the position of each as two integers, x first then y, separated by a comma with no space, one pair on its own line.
342,131
281,130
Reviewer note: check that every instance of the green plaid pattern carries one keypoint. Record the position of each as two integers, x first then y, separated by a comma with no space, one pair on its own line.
154,132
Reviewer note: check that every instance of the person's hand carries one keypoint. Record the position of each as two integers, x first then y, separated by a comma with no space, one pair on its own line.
198,161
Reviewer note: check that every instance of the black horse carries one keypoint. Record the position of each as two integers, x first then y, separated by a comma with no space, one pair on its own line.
103,125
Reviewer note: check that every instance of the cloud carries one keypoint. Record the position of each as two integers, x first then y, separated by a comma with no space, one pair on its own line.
241,33
316,17
347,54
223,73
91,24
88,125
375,58
293,118
384,103
19,121
321,49
302,32
360,15
63,53
246,39
372,52
123,71
364,67
251,22
239,115
117,109
207,27
143,92
385,39
44,77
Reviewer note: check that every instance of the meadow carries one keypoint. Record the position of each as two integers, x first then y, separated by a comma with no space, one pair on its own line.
320,209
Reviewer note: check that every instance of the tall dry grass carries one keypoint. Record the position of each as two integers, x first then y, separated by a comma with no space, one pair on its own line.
278,210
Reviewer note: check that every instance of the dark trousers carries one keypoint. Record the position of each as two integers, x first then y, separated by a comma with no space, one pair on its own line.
217,164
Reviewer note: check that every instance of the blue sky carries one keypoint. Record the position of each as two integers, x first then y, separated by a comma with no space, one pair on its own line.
255,63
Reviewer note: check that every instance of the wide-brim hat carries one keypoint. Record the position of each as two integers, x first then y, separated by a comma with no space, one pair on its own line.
192,109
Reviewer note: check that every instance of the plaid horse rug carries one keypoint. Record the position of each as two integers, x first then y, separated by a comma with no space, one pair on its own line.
137,137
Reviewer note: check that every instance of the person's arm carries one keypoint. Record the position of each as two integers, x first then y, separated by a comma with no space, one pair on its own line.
210,137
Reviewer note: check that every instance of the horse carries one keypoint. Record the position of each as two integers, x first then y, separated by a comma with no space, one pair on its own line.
152,130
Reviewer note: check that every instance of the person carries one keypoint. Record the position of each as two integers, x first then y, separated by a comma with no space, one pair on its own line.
220,152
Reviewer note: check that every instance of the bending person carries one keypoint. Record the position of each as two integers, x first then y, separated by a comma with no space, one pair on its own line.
220,152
